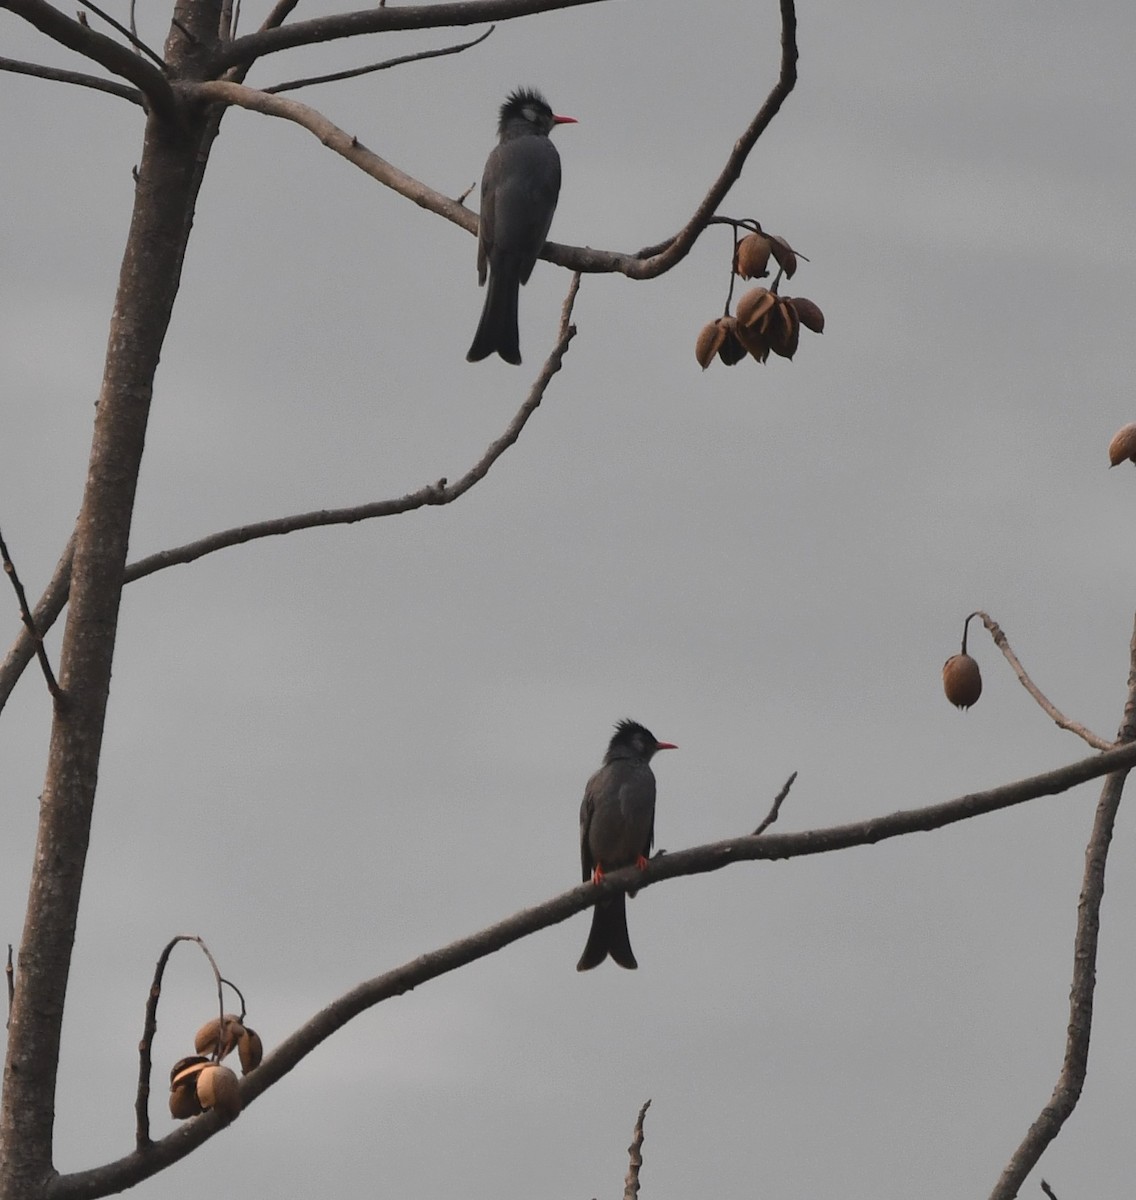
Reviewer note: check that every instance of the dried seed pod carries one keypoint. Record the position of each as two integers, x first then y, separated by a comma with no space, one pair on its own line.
754,339
250,1049
784,254
754,305
731,350
183,1087
753,256
811,316
1122,446
710,339
205,1041
962,680
219,1088
784,329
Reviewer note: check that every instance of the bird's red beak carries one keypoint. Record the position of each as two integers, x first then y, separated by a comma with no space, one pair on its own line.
665,746
565,121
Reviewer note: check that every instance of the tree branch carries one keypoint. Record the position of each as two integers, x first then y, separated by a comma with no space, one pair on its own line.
45,615
29,623
635,1157
1071,1079
101,49
131,1169
378,20
354,72
1062,721
77,77
644,264
437,494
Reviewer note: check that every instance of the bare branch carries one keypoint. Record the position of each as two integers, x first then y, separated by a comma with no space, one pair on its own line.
29,623
10,976
775,811
1071,1079
439,493
101,49
378,20
645,264
129,34
76,77
1062,721
150,1028
133,1168
635,1154
46,612
1048,1190
293,84
281,11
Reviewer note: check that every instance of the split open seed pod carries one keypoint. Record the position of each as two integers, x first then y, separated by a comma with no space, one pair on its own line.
962,680
753,306
784,329
183,1087
753,256
1122,446
206,1039
250,1050
218,1088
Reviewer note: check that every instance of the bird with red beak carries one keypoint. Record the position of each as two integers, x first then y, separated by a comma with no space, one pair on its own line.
617,829
519,190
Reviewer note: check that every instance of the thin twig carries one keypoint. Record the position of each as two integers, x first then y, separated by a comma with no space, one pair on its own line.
1062,721
1071,1078
1048,1190
402,59
775,811
635,1154
432,494
57,75
104,50
130,36
29,623
10,975
149,1029
440,493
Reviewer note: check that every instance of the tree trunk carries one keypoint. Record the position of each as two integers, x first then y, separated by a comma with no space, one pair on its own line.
168,180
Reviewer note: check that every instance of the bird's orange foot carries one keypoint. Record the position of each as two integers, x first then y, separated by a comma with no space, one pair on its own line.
641,863
598,874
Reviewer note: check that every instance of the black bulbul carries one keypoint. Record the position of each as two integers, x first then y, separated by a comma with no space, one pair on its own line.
617,828
519,190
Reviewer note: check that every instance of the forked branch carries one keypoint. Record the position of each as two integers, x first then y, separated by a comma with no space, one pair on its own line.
101,49
1071,1078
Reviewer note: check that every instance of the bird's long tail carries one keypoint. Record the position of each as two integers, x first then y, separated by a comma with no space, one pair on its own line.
608,935
497,330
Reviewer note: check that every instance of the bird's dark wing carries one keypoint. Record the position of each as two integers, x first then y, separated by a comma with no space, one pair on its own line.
587,811
525,191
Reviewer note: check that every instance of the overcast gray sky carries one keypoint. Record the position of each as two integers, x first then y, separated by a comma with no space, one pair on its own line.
331,752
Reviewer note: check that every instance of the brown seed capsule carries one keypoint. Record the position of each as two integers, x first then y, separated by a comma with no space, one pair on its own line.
784,329
205,1040
754,305
731,351
811,316
753,256
755,339
710,339
250,1049
962,681
183,1087
1122,446
219,1088
784,254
